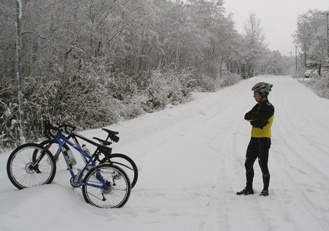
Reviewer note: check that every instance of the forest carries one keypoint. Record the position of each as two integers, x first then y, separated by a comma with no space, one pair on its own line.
102,61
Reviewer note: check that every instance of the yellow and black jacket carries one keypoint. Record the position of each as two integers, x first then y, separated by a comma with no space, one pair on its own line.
261,118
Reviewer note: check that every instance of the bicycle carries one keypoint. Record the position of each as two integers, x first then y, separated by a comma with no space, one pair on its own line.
104,185
119,159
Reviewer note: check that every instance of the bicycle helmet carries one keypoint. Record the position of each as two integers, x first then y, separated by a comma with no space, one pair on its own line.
263,88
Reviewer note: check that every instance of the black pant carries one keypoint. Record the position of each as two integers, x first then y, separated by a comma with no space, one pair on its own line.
258,148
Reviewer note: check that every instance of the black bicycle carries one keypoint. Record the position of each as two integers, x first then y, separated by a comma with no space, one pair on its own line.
103,185
121,160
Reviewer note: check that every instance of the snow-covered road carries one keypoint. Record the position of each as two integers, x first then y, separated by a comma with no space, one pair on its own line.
191,163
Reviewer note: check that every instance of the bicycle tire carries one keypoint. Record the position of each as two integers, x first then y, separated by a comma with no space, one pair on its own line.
119,187
126,164
19,168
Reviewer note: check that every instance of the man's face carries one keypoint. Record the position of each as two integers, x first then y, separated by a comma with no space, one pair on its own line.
257,97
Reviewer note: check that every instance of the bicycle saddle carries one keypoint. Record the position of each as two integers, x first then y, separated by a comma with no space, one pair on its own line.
110,132
112,135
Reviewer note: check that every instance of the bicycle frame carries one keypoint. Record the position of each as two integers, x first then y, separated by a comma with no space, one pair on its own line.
99,148
75,137
61,140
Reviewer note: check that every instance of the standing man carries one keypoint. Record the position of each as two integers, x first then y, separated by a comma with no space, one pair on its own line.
261,119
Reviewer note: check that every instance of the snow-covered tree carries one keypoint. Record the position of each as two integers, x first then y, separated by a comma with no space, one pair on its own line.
101,61
311,37
254,45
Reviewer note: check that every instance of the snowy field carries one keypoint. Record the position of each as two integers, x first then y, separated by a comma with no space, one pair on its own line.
191,163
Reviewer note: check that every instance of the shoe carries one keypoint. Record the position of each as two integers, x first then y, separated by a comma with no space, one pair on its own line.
264,193
245,191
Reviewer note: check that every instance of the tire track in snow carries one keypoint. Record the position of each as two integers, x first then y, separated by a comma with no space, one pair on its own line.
276,213
224,137
293,194
292,124
230,163
219,121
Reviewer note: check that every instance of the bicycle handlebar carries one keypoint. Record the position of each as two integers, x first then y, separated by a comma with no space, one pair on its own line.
69,129
47,127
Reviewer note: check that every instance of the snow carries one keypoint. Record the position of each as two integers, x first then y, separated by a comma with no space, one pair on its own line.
191,163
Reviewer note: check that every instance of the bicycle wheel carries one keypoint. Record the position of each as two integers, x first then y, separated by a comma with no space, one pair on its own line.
118,190
56,152
126,164
21,172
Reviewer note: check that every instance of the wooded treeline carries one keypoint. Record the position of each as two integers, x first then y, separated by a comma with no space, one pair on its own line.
102,60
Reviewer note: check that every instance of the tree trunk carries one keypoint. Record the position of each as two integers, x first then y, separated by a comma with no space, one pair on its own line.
19,76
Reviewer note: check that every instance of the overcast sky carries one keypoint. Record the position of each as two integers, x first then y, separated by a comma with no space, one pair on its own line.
278,18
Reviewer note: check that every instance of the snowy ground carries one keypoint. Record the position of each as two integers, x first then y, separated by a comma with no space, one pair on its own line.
190,160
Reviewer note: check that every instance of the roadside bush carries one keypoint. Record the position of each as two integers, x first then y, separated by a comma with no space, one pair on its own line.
228,79
319,85
94,97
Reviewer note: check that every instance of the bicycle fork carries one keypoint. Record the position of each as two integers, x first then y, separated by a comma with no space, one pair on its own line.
34,166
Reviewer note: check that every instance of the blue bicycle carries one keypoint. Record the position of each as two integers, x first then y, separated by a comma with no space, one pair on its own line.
119,159
104,185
